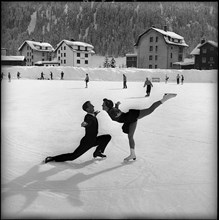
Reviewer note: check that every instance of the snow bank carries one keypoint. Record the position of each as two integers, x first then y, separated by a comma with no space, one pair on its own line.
111,74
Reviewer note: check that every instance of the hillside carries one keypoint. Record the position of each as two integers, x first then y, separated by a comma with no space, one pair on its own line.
111,27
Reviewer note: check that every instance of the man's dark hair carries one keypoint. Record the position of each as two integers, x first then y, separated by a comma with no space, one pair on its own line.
84,106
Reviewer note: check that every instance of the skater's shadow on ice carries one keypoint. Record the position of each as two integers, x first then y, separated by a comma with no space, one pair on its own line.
35,181
139,97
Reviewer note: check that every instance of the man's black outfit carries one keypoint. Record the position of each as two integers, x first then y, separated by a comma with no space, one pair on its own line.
88,141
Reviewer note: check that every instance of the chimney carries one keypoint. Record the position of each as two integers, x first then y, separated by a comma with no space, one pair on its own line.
202,40
165,27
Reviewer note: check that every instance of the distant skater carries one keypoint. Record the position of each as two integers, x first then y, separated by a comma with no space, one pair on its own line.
9,77
166,79
149,84
124,81
62,75
182,79
86,80
90,139
51,75
177,78
18,75
42,76
130,118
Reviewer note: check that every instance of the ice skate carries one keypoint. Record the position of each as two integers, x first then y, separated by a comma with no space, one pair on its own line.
48,159
167,96
131,156
98,154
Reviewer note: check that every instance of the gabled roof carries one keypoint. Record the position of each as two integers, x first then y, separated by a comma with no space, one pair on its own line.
12,58
167,35
75,43
38,46
196,50
214,44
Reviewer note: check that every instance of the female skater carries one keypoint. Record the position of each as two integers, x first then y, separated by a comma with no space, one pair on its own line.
130,118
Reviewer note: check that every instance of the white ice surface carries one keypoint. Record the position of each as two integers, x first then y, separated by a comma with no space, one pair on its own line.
174,175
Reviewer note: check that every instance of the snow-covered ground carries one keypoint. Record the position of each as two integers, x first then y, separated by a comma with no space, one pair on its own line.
174,175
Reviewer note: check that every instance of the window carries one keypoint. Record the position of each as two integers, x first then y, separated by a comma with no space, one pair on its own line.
78,62
79,48
86,55
78,54
180,57
151,48
86,48
58,51
150,66
171,64
32,57
204,50
203,59
58,58
151,39
156,39
155,57
64,54
155,66
156,48
43,54
65,61
180,49
64,47
211,59
171,55
27,53
150,57
86,61
61,54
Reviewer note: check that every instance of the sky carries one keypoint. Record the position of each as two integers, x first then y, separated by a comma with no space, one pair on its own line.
174,175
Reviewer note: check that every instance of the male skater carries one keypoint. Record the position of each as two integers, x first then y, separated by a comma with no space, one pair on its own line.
90,139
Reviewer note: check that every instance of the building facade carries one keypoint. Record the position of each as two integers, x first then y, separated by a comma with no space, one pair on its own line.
206,55
74,53
36,51
157,48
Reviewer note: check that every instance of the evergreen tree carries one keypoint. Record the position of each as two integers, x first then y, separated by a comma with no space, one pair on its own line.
106,63
112,63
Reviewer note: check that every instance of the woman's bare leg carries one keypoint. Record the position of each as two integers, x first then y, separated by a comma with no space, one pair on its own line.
132,128
148,111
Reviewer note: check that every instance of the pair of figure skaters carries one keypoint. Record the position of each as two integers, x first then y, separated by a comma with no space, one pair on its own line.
90,123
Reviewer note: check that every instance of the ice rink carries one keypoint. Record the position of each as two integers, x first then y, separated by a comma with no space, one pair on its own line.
174,175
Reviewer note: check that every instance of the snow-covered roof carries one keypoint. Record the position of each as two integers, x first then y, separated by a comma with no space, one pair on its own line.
75,43
12,58
209,42
39,46
196,50
187,61
131,55
168,37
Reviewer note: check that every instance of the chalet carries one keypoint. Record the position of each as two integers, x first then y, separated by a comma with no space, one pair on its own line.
13,60
74,53
36,51
157,48
206,55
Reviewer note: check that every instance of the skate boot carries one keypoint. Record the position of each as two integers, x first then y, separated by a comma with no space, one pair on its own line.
48,159
167,96
131,156
98,154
